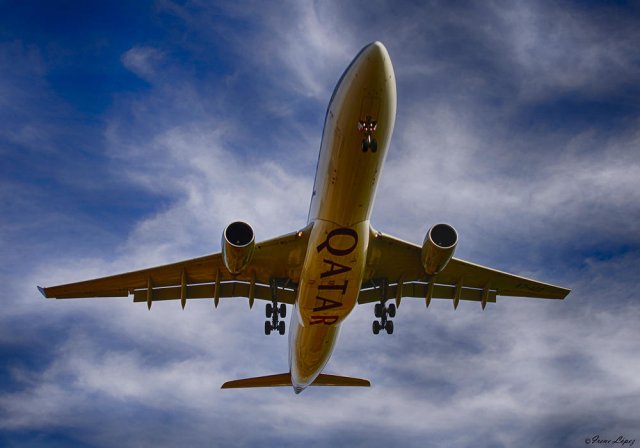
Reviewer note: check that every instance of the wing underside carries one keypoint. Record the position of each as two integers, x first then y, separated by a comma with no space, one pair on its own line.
394,270
274,268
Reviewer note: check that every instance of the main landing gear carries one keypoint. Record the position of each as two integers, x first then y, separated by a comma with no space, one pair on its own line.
381,311
275,312
368,127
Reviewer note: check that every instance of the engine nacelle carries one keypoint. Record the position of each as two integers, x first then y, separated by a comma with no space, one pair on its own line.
238,244
438,248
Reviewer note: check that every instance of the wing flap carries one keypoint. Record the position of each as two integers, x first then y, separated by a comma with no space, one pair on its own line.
420,290
207,291
105,293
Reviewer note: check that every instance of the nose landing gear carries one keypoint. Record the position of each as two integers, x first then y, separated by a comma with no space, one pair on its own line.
381,311
274,312
368,127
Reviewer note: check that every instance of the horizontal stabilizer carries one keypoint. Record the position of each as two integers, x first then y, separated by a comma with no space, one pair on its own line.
335,380
281,379
284,379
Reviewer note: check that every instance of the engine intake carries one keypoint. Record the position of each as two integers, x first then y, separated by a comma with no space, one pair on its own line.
238,244
438,248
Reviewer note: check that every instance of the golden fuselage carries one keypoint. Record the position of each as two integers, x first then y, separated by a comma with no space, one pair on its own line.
343,194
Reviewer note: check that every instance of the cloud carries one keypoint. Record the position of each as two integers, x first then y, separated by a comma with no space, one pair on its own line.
571,51
199,147
27,106
588,187
304,44
143,61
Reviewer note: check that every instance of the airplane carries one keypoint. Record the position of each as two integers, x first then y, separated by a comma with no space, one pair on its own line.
337,261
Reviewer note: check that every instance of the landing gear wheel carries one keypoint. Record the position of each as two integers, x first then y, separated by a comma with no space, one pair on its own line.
275,311
389,327
374,145
365,145
392,310
376,327
377,310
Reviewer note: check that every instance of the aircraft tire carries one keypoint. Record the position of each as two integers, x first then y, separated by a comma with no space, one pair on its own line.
392,310
376,327
281,327
377,310
389,327
283,310
267,327
269,310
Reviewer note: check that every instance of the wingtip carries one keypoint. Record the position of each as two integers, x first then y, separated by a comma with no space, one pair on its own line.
41,289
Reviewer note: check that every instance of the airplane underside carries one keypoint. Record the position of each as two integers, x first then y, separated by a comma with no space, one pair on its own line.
338,260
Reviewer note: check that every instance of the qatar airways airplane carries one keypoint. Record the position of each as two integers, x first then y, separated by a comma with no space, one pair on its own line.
338,260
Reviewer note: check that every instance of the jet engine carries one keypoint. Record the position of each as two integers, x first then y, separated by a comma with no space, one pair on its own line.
238,244
438,248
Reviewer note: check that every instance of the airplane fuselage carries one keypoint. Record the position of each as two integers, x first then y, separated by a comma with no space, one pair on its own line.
346,179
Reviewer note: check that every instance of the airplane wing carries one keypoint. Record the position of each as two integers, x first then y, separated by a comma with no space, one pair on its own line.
275,263
396,265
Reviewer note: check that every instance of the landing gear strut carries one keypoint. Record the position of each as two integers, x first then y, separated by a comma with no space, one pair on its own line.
274,312
368,127
381,311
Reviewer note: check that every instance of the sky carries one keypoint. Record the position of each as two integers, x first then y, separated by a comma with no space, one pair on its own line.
132,133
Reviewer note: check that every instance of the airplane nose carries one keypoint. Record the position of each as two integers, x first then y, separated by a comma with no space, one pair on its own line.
374,63
378,48
376,53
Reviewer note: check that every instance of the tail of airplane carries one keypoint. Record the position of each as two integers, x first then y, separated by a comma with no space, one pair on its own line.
284,379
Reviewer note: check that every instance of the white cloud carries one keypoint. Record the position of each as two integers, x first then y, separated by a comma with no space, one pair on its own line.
457,173
305,43
557,48
209,187
143,61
